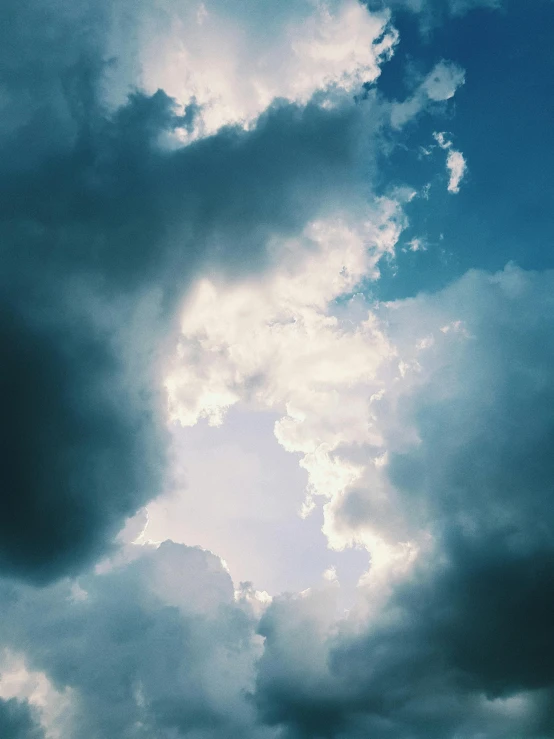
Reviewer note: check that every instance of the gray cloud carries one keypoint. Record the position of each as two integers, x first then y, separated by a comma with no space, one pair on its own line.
98,216
17,721
103,226
157,647
464,646
461,648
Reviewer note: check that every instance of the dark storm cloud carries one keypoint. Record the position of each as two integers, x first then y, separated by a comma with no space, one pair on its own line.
17,721
119,204
103,224
97,208
465,646
78,454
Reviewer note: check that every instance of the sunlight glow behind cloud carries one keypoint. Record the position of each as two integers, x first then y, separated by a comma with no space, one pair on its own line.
233,59
277,409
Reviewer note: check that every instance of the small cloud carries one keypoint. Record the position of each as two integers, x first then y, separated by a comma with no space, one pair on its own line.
439,85
330,574
201,14
455,162
441,140
416,245
443,81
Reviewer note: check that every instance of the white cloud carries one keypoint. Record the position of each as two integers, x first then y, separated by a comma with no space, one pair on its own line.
455,162
443,81
298,342
234,58
274,341
438,86
416,244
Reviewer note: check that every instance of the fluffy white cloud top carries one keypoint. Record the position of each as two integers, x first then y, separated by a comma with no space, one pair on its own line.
233,58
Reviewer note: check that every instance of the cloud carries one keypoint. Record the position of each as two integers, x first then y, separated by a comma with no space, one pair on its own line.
156,647
260,352
48,708
420,465
284,343
424,425
76,457
432,13
455,163
438,86
17,721
451,640
106,216
235,58
461,646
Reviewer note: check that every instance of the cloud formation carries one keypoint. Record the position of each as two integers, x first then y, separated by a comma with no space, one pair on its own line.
438,86
194,223
106,216
17,722
462,645
159,647
234,58
455,162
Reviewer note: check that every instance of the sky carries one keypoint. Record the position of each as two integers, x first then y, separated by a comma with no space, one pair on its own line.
277,339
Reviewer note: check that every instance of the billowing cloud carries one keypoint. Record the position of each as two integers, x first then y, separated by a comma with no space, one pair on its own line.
285,343
49,710
193,222
235,58
431,13
106,216
158,647
464,644
444,476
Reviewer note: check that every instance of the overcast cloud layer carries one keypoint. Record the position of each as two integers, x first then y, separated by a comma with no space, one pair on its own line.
258,478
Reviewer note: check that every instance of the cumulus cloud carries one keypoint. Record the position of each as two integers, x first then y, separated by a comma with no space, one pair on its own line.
106,215
462,646
235,58
158,647
47,707
424,425
456,164
286,344
444,476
